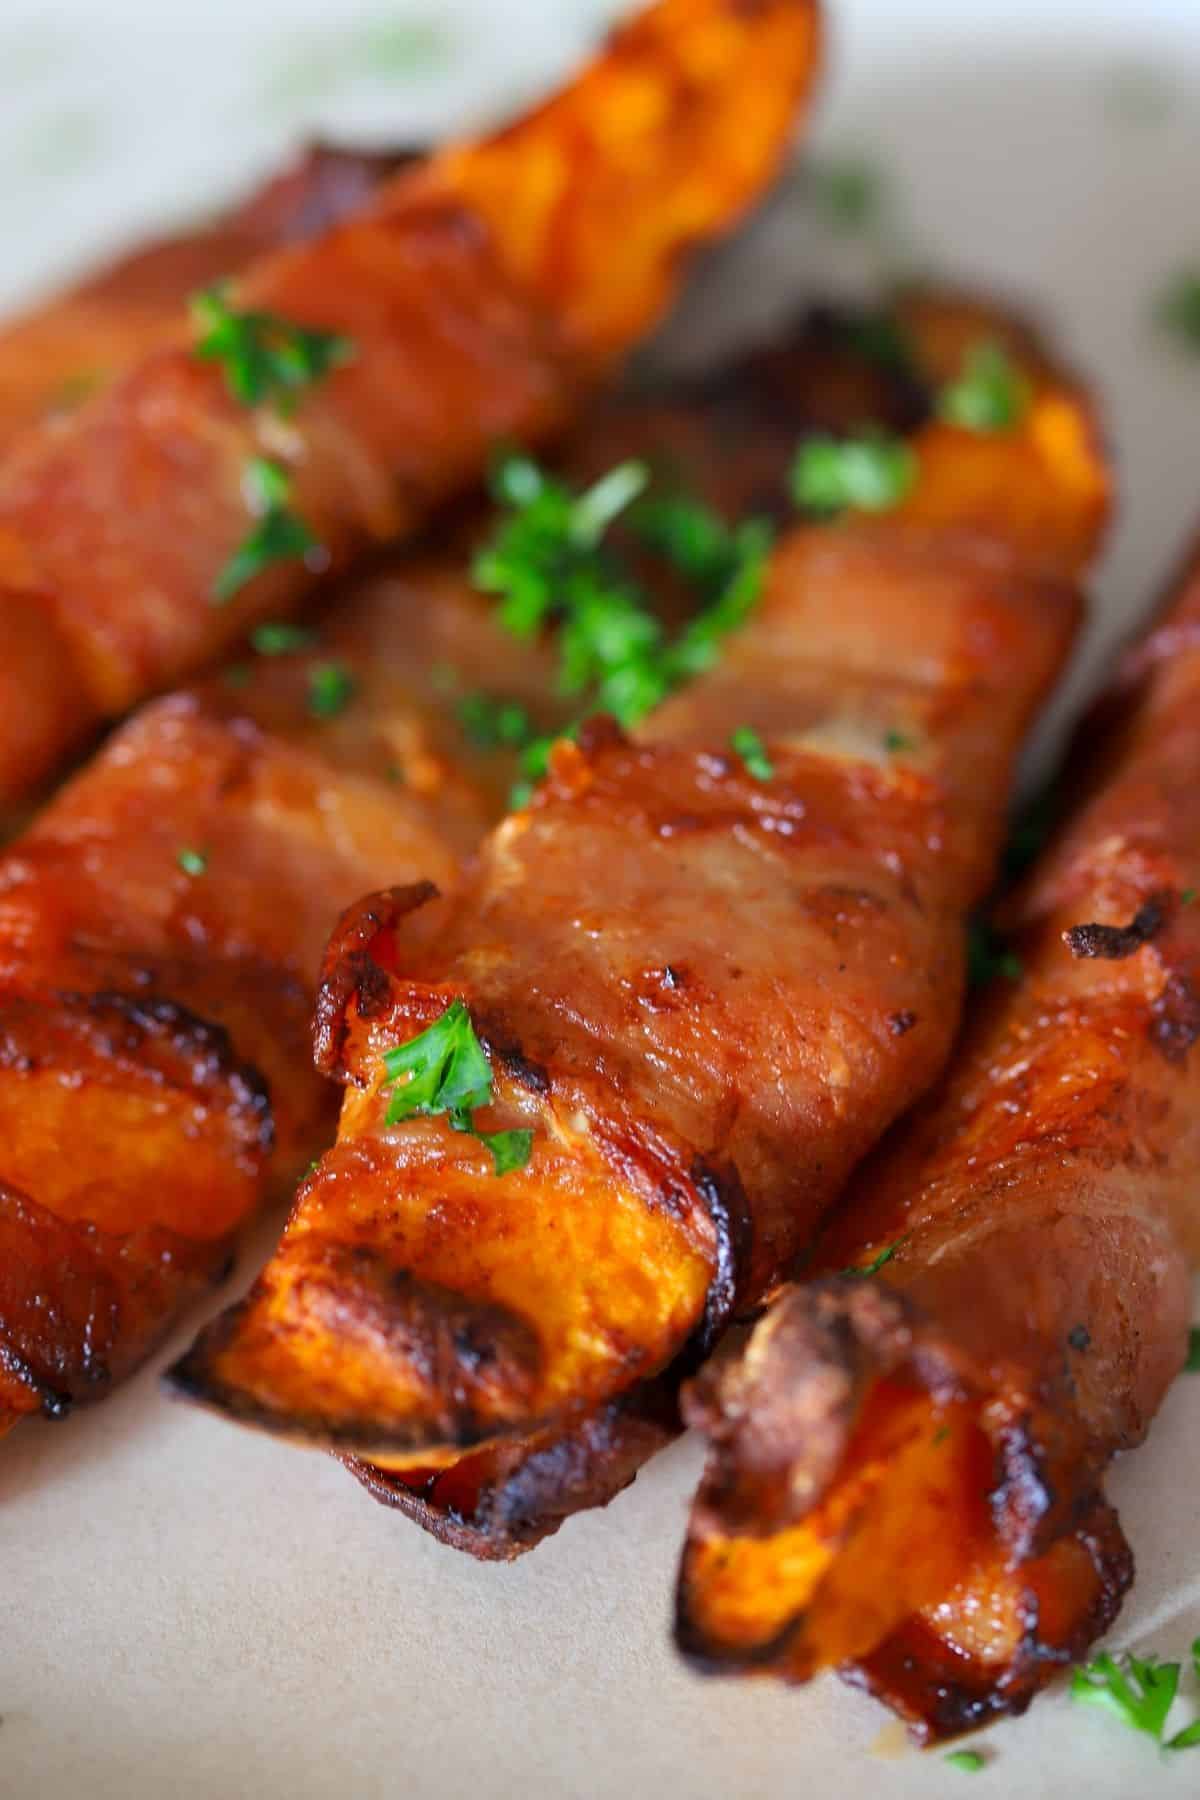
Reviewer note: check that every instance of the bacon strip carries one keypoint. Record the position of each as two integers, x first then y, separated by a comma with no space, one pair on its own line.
706,995
483,297
965,1402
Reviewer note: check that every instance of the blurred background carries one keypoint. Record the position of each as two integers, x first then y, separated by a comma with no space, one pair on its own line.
1046,148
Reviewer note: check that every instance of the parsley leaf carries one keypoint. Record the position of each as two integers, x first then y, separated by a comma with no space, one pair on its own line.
877,1262
448,1072
988,956
870,473
1192,1365
278,638
264,357
847,191
1137,1691
1179,308
192,862
896,741
331,688
279,536
491,724
990,393
969,1761
749,746
1187,895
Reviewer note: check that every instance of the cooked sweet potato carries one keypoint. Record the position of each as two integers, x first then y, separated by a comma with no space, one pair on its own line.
1039,1220
60,353
471,311
705,993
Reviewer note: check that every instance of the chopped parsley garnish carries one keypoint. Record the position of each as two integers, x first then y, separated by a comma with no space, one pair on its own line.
1192,1364
448,1072
896,741
1139,1692
847,191
871,473
990,393
988,956
1179,308
551,562
278,638
330,690
1187,895
749,746
877,1262
969,1761
879,338
265,358
279,536
492,724
192,862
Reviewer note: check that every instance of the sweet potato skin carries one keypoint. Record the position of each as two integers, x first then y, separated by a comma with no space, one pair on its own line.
1043,1213
623,949
115,523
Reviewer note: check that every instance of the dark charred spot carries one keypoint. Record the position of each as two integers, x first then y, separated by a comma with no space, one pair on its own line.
901,1022
1079,1338
1114,942
726,1204
1175,1022
518,1067
352,972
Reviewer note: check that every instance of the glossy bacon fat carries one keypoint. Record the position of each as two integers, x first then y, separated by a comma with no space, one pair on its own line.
906,1473
476,296
705,993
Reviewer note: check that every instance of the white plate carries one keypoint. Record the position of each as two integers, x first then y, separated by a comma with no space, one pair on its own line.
191,1611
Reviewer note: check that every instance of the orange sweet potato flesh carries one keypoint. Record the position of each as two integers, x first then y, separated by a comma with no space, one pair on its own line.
1044,1209
148,1013
475,316
705,995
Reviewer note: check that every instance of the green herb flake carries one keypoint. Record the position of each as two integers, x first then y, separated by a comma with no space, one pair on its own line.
877,1262
448,1072
749,746
237,675
969,1761
1137,1691
265,358
551,562
1029,831
491,724
848,192
192,862
988,956
279,536
1187,1739
871,473
896,741
1192,1365
331,687
1188,895
1178,309
990,394
278,638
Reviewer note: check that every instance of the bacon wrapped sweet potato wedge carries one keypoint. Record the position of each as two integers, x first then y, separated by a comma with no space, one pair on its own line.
706,981
342,386
58,354
161,925
906,1472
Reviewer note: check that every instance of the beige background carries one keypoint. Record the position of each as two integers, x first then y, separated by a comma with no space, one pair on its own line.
187,1611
